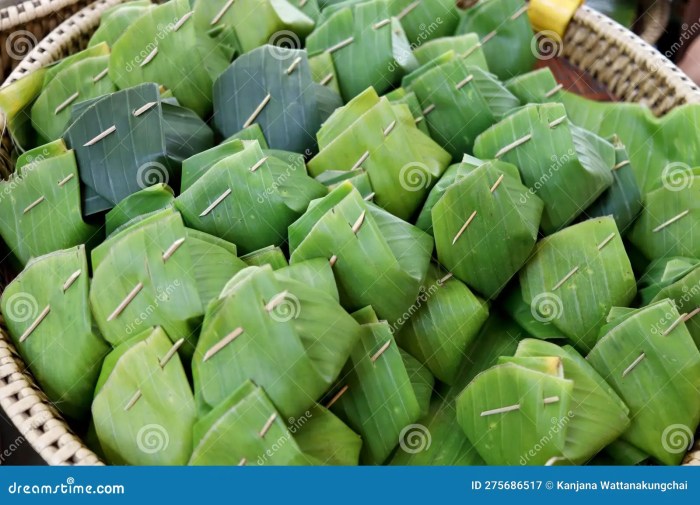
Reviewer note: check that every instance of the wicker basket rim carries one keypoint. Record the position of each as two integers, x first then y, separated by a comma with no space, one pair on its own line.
26,404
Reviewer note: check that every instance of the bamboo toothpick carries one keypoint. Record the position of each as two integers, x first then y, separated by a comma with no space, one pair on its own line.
359,162
243,462
101,136
501,410
464,82
671,221
497,183
606,241
551,399
145,108
692,314
182,21
337,396
390,128
370,197
33,204
326,79
488,37
428,109
557,122
276,300
358,224
445,279
216,202
259,164
101,75
150,57
340,45
66,102
381,351
383,22
222,343
169,355
566,278
222,12
554,90
257,111
35,324
420,119
133,400
407,10
621,164
172,249
675,324
67,178
522,10
634,364
469,51
333,260
71,279
294,65
464,228
513,145
125,302
268,424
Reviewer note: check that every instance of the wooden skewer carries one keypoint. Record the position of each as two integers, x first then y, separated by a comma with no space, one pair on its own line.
501,410
222,343
566,278
333,260
35,324
464,82
150,57
557,122
522,10
340,45
390,128
33,204
101,75
358,224
145,108
169,355
73,277
182,21
692,314
268,424
671,221
173,248
428,109
66,102
133,400
125,302
257,111
243,462
497,183
259,163
513,145
464,228
101,136
554,90
621,164
634,364
67,178
359,162
381,351
294,65
383,22
407,10
327,79
337,396
488,37
674,325
216,202
276,300
222,12
606,241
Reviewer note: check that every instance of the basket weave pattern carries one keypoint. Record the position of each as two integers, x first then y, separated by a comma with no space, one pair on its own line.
630,68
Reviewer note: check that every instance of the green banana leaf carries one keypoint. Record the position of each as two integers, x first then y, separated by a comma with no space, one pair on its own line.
115,21
685,293
40,205
315,273
146,201
538,86
16,100
48,297
378,399
253,132
566,166
274,87
485,227
323,71
599,415
651,361
270,255
576,276
369,48
623,200
323,436
454,90
422,380
359,180
401,96
245,429
249,199
624,453
163,46
662,230
444,321
196,166
130,140
377,259
143,408
283,327
370,134
56,68
531,320
309,7
505,33
662,274
511,399
442,441
425,20
158,290
467,47
82,81
253,23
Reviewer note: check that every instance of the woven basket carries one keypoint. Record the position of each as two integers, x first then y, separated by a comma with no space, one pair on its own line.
631,70
22,26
